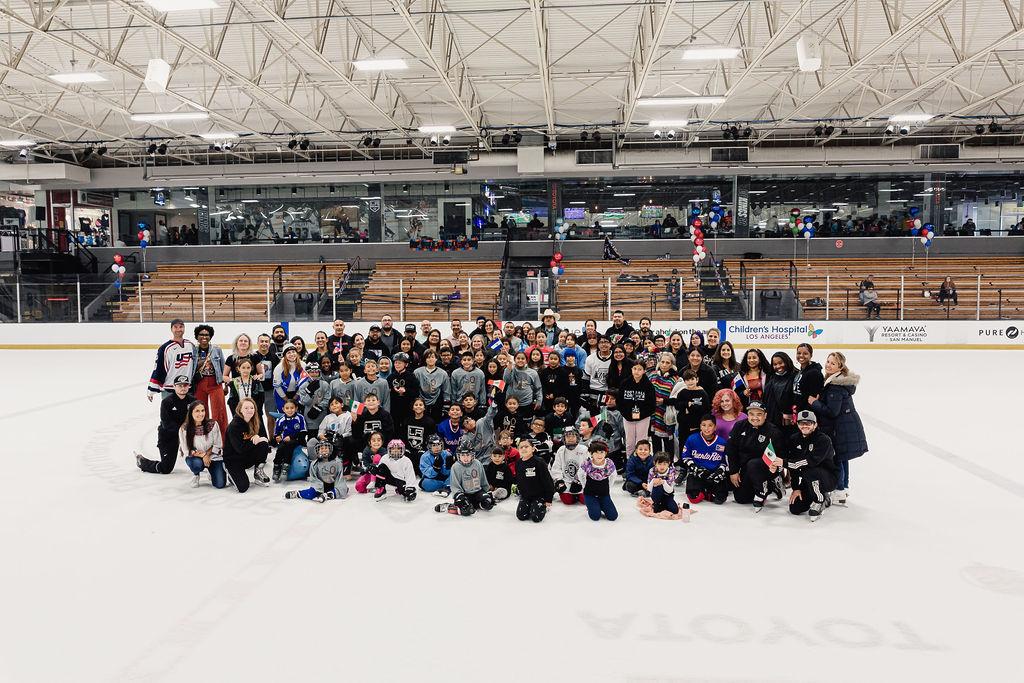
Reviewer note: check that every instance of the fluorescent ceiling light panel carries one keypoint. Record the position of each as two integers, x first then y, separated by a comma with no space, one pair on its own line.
668,123
679,101
437,129
758,192
911,118
77,77
171,116
218,136
710,53
17,143
250,201
624,194
377,64
578,203
181,5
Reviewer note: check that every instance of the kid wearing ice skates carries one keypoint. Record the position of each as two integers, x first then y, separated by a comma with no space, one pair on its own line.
470,491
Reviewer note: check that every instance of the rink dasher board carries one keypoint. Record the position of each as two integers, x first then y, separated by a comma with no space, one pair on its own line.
839,334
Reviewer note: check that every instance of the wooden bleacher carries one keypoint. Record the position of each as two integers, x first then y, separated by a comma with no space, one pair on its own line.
583,290
426,287
234,291
1006,273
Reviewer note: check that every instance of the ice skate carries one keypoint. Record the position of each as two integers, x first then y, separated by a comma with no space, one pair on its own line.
815,510
443,492
378,495
138,460
259,477
284,472
319,498
291,495
195,481
779,485
759,503
839,497
277,473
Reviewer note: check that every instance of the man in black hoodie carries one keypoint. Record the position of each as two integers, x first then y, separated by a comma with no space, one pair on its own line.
749,474
534,483
374,347
809,380
620,329
811,462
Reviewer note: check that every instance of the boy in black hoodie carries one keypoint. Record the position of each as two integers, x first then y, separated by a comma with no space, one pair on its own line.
534,483
372,418
558,419
499,476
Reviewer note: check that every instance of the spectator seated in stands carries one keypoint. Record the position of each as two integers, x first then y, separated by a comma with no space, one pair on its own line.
948,291
869,299
865,283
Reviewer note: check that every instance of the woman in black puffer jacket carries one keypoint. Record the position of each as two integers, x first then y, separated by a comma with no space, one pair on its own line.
778,393
837,417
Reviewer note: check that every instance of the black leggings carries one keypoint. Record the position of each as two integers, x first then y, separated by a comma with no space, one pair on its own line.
285,449
167,445
240,463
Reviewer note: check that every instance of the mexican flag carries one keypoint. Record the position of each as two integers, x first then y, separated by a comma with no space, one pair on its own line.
357,407
770,457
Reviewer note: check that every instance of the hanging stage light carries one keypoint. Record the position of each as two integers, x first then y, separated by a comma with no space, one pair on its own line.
293,143
517,137
506,138
304,145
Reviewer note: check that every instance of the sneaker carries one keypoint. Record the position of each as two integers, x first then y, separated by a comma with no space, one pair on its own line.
815,510
195,481
289,495
260,476
443,492
277,473
839,497
378,495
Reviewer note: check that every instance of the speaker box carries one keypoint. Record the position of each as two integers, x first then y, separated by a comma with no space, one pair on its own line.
158,72
752,255
40,213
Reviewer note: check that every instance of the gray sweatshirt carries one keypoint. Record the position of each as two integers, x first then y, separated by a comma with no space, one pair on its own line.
524,385
468,478
471,382
312,401
379,386
434,386
343,390
328,473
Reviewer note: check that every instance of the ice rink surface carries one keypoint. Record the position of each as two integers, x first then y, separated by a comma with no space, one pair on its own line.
114,575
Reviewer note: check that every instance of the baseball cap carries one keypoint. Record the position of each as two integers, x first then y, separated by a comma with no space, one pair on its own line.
806,416
374,326
410,328
182,379
400,356
177,321
756,405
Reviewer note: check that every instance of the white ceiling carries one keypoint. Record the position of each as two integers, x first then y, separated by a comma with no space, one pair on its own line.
266,69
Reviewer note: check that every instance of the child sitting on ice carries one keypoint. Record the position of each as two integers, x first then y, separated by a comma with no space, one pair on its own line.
566,470
328,470
289,434
339,423
499,475
370,457
469,486
599,471
435,466
394,470
637,468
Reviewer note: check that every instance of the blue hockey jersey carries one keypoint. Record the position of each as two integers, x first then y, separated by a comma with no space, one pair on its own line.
709,455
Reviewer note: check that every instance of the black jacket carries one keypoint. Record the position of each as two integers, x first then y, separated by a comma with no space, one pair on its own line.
706,377
691,405
415,433
636,395
401,404
534,480
778,396
499,476
807,382
239,449
837,417
554,382
375,349
747,442
805,452
173,411
619,332
724,376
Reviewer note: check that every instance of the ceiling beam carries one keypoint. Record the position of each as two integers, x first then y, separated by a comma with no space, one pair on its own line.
540,30
649,30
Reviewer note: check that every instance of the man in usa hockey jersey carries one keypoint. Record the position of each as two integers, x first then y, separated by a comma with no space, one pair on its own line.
177,356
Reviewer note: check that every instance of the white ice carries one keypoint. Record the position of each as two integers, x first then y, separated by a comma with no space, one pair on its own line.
109,574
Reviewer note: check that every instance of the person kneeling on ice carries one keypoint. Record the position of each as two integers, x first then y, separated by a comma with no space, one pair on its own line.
534,484
811,461
371,456
469,486
566,472
637,468
703,457
754,454
599,471
328,470
499,474
394,470
660,484
436,467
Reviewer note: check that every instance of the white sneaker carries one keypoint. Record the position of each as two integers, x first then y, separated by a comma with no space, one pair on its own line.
195,481
840,497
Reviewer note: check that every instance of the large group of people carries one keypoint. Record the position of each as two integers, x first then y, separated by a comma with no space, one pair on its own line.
505,411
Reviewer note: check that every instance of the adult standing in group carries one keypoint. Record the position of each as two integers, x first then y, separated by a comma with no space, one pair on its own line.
176,356
636,399
266,359
241,348
777,396
724,365
620,328
173,412
389,335
808,380
339,343
454,338
279,339
374,347
839,418
705,375
245,446
208,381
753,370
548,328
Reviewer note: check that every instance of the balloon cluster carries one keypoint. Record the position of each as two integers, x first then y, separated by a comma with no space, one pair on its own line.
807,229
143,238
697,234
557,269
924,231
561,230
118,269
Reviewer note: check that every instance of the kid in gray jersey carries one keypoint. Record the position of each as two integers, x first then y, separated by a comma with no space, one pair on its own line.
468,380
327,474
469,486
